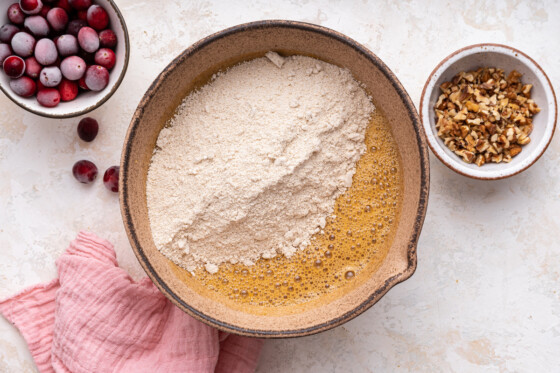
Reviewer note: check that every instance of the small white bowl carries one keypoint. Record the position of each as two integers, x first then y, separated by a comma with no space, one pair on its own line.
85,102
507,58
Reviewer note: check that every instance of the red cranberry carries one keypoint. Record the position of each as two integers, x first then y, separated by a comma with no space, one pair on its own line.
82,83
111,179
7,32
48,97
84,171
32,67
87,129
31,6
58,19
44,11
88,39
64,5
106,58
68,90
97,77
46,52
15,14
14,66
97,17
5,51
40,86
37,25
80,4
23,86
107,39
75,26
23,44
73,67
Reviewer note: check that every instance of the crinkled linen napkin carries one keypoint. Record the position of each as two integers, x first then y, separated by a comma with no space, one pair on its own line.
95,318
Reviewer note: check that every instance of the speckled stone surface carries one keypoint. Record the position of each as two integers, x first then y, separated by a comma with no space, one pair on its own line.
486,295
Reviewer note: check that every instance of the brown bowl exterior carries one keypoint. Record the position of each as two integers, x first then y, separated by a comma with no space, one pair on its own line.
191,69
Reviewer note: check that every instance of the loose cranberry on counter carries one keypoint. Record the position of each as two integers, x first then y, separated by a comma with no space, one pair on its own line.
97,77
84,171
23,44
97,17
48,97
111,179
107,39
106,58
14,66
23,86
31,6
88,129
7,32
15,14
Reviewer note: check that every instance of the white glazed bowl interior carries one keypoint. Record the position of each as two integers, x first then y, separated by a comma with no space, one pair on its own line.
87,101
471,58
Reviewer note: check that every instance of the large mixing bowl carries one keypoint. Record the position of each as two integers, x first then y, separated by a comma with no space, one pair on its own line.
193,68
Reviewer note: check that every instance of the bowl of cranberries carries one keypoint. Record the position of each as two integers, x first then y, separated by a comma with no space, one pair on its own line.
61,58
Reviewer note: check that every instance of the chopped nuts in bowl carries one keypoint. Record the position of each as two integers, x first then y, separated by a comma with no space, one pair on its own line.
489,111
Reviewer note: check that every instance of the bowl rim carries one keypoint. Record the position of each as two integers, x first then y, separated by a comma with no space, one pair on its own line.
104,98
426,125
422,198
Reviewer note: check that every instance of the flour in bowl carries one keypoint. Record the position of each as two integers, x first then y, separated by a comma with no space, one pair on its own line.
252,162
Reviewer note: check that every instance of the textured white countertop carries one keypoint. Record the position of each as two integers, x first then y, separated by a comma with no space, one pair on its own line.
486,295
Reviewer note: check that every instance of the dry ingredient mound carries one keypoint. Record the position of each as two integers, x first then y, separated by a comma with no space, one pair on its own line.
252,162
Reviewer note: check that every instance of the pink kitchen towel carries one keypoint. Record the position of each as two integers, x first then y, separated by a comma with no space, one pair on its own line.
95,318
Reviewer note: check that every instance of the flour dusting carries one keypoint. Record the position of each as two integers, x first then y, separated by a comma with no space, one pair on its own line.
251,163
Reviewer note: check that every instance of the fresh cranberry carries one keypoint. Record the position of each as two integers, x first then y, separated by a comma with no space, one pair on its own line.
84,171
82,14
48,97
40,86
7,32
67,45
31,6
111,179
15,14
107,38
32,67
80,4
58,19
64,5
14,66
87,129
106,58
97,77
68,90
82,83
44,10
23,86
97,17
50,76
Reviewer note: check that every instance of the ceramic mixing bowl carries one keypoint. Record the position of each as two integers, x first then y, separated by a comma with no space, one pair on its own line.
191,69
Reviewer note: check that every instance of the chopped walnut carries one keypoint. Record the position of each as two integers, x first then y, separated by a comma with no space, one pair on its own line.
484,116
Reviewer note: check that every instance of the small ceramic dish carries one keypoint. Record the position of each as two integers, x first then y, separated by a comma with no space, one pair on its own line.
193,68
507,58
88,101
